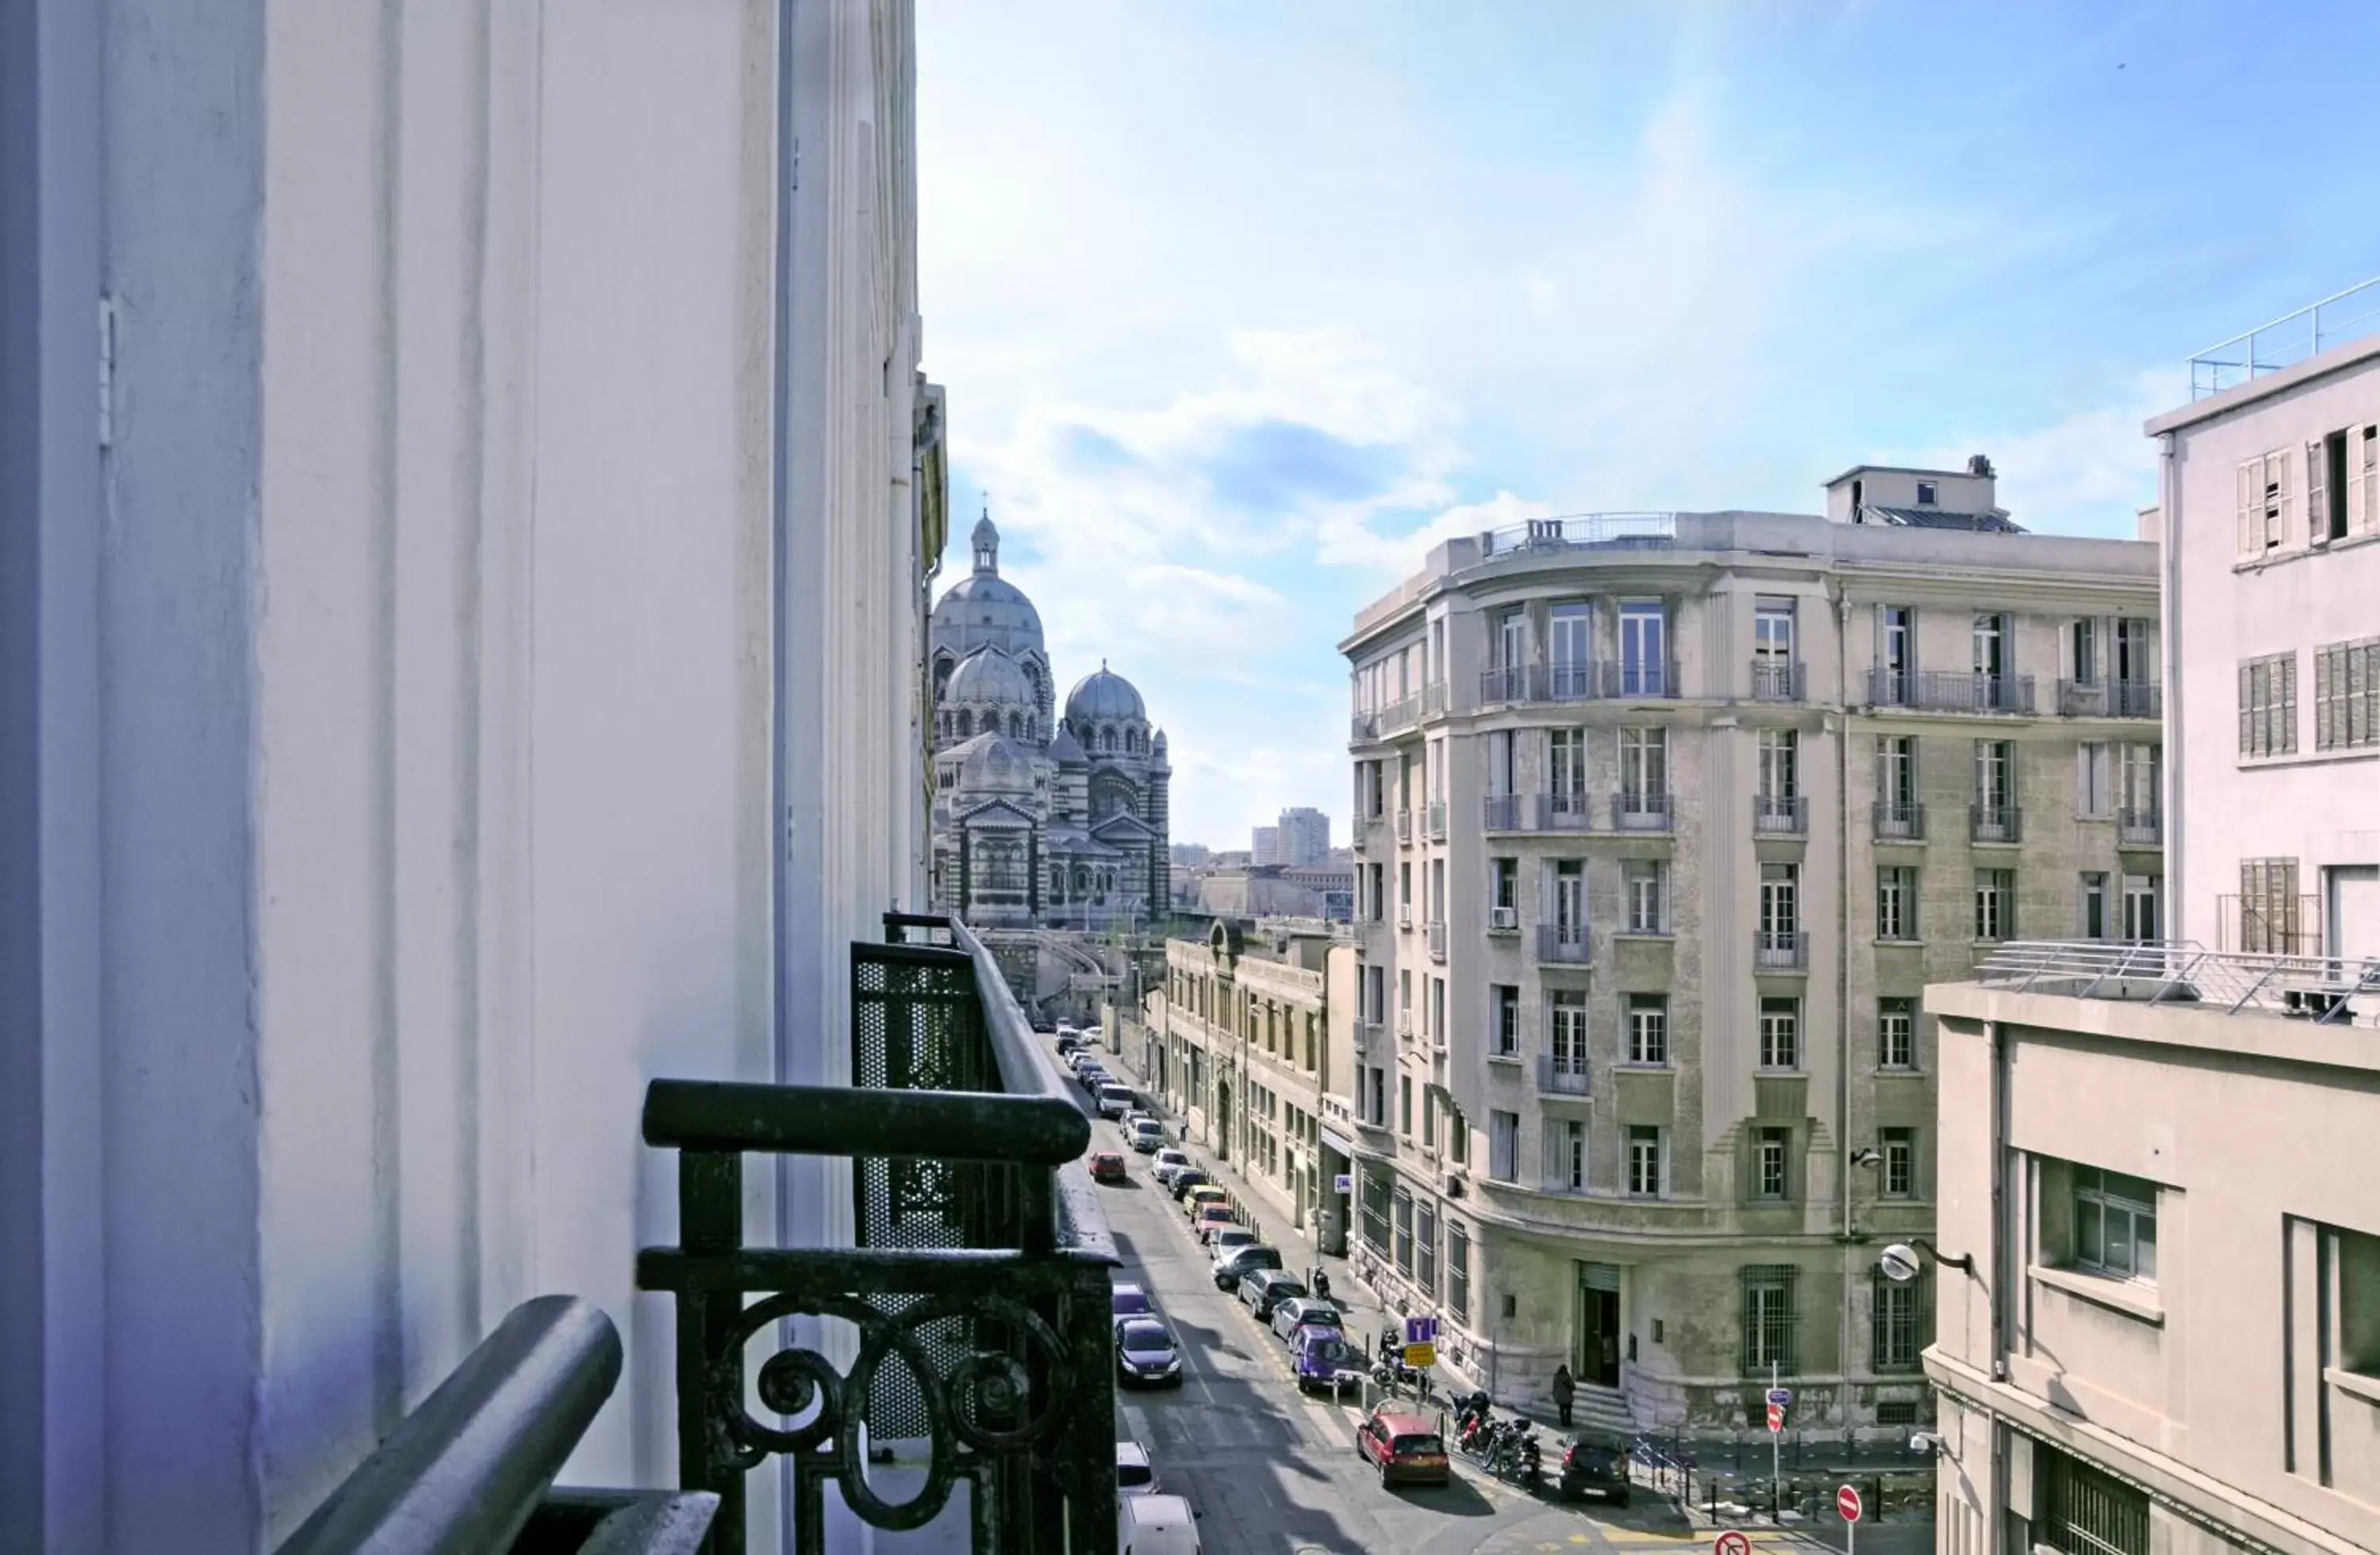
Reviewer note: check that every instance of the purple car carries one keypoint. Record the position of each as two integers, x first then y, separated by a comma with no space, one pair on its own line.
1324,1362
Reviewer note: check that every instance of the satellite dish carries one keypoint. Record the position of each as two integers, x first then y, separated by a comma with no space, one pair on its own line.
1899,1263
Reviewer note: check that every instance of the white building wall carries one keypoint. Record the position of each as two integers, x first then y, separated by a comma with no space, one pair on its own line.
441,615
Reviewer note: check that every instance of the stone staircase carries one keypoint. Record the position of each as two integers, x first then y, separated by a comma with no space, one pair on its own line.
1606,1409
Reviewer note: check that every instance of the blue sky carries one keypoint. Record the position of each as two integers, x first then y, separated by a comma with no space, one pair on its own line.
1242,305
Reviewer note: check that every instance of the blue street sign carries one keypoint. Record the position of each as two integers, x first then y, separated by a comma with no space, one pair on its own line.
1421,1331
1780,1397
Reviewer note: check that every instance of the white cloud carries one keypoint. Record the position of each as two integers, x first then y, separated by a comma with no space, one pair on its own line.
1348,541
2088,473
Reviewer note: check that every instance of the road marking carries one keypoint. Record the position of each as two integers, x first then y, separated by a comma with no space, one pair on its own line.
1135,1420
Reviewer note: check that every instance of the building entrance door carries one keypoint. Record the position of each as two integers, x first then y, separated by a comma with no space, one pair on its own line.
1222,1121
1597,1361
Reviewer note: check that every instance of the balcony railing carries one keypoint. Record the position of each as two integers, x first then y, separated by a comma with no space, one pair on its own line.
1562,1076
1364,726
1776,680
1619,531
1994,823
2327,990
1563,812
1944,692
978,1284
1633,811
1899,821
1436,929
1781,950
1564,943
1370,1036
2140,828
1577,682
1404,826
1433,699
2110,698
1434,819
1775,815
1504,683
1400,715
1502,812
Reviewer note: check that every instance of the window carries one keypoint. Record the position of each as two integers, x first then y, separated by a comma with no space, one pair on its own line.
2115,1224
1644,1162
2096,922
2138,794
1900,1149
1505,887
1644,647
1566,1037
1429,1120
1897,1314
1926,494
1426,1247
1995,777
1780,1033
1648,1028
2355,1258
1645,882
1404,1245
2269,919
1768,1319
1779,776
1779,909
2136,651
2141,893
1566,768
1566,1155
1404,893
1995,904
1512,639
1458,1136
2265,506
1896,652
1643,771
1896,1033
1772,1175
2095,779
1567,649
1992,643
2082,650
1508,1019
2084,1511
2268,705
1436,1013
1375,889
1458,1272
1570,897
1896,903
1503,1146
2347,695
1404,997
1404,1105
1896,770
1375,1210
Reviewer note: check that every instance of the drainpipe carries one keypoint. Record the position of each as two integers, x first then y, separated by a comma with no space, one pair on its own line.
2003,1255
2169,591
1842,987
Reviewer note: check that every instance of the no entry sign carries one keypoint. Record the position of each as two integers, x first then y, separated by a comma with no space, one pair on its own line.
1733,1541
1847,1501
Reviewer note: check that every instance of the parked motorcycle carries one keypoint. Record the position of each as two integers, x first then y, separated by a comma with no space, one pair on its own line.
1532,1462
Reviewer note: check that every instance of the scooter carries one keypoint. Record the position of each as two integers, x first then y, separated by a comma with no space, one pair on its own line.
1532,1462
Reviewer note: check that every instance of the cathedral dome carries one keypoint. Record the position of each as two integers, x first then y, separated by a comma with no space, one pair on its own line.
984,609
989,677
1104,697
996,766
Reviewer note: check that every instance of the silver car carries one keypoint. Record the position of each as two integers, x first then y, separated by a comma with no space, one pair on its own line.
1290,1316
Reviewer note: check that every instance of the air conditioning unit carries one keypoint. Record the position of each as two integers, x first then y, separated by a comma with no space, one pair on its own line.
1504,918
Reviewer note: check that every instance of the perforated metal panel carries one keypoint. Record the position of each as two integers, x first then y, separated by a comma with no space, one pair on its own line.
917,1023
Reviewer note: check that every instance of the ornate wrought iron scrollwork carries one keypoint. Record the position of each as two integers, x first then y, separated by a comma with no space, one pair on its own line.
986,1408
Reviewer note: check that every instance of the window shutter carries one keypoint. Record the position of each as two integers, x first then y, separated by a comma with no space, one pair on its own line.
2248,487
2364,481
2285,487
2247,708
2317,511
2289,703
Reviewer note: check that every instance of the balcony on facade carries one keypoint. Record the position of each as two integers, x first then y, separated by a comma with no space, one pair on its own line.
1434,819
1777,680
1562,942
1563,812
1399,715
2140,828
1371,1037
1502,812
1364,726
1781,950
1994,823
1561,1077
1434,700
1435,931
1404,826
1901,822
1514,684
1948,691
1637,811
1781,814
2110,698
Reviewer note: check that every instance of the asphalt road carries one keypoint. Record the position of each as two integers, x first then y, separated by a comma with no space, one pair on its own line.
1272,1473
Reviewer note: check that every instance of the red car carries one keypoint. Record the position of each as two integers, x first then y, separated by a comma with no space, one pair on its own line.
1214,1217
1405,1445
1107,1166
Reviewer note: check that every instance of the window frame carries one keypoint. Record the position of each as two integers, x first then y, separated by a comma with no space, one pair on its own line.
1888,1007
1897,1174
1772,1165
1644,1013
1781,1033
1645,1160
1995,918
2089,1188
1896,903
1507,1003
1770,1319
1503,1146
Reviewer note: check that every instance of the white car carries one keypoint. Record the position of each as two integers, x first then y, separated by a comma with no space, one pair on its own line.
1146,1135
1168,1161
1156,1526
1115,1101
1136,1476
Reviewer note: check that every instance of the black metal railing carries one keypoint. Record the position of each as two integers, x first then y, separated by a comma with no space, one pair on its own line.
1641,811
2140,828
1781,814
1776,680
2110,698
1781,950
1562,942
976,1304
1947,691
1994,823
473,1466
1500,812
1902,821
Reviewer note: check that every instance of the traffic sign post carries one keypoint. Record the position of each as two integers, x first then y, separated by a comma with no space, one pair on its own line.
1775,1417
1421,1357
1780,1397
1776,1444
1847,1501
1732,1541
1421,1331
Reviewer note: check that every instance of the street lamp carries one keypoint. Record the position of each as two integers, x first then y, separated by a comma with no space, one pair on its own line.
1900,1262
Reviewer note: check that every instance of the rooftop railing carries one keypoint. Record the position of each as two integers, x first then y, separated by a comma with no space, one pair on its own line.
2287,341
1638,530
2327,990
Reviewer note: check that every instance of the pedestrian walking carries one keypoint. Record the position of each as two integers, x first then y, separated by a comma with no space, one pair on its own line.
1321,1283
1566,1390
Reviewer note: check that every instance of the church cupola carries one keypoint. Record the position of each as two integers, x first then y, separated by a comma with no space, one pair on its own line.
987,544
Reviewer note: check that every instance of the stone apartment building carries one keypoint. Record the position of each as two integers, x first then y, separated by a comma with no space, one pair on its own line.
1664,822
2159,1287
1239,1043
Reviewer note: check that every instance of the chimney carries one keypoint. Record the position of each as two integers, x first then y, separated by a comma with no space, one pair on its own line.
1978,464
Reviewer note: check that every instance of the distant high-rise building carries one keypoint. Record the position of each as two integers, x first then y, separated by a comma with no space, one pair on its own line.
1264,844
1191,855
1303,838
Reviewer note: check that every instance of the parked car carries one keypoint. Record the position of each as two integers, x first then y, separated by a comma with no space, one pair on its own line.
1244,1260
1066,1028
1223,1238
1114,1099
1128,1300
1261,1293
1201,1196
1069,1045
1146,1135
1092,1077
1107,1166
1404,1444
1184,1180
1211,1218
1324,1363
1136,1476
1301,1311
1168,1161
1146,1352
1156,1526
1594,1463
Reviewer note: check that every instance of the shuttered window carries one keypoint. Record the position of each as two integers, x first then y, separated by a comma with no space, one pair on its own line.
2268,705
2347,695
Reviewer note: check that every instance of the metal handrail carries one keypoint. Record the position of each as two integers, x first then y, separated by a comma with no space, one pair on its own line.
2326,990
2243,355
1647,529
